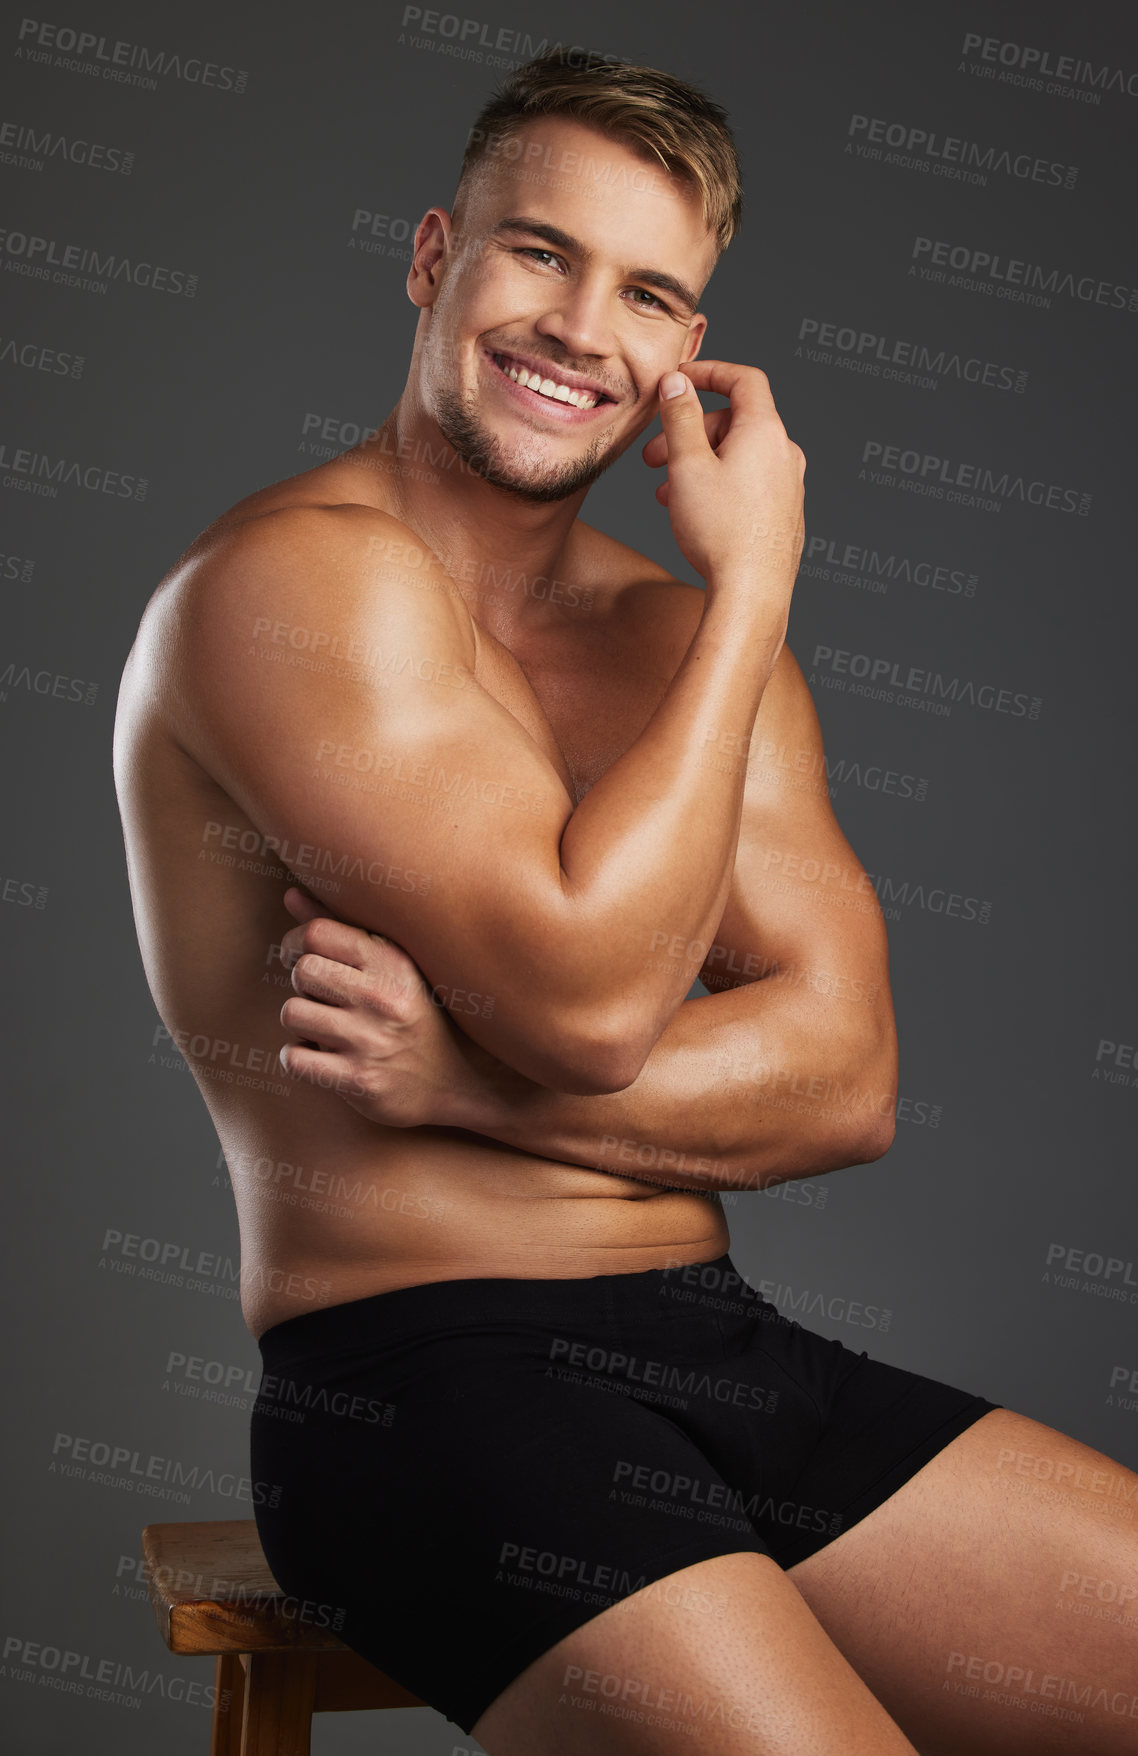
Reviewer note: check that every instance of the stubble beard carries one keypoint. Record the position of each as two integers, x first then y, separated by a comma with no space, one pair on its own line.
486,456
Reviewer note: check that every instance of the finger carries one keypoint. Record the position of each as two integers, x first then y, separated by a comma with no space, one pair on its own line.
300,905
326,979
316,1067
715,423
315,1022
292,946
655,452
337,940
747,387
681,417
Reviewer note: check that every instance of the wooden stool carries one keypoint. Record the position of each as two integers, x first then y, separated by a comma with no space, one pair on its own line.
212,1591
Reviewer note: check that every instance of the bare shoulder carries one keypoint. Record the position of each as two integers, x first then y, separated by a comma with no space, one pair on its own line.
304,578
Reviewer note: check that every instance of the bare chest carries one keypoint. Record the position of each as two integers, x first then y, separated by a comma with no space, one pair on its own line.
583,699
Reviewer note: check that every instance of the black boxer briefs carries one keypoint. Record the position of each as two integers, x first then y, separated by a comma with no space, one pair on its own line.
464,1472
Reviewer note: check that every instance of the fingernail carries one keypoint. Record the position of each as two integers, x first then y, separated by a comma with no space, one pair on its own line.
672,384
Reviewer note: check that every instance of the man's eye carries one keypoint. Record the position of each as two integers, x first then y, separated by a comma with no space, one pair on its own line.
650,297
532,250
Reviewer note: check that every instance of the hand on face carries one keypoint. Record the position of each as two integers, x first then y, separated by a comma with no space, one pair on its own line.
734,489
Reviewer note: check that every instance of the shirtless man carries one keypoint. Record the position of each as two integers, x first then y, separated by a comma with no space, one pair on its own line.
414,683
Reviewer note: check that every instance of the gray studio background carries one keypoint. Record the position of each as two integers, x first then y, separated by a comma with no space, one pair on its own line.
1014,1152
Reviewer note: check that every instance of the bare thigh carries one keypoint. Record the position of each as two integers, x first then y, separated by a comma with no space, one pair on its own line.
991,1603
724,1656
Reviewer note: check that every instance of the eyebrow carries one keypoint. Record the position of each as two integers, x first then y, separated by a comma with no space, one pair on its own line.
653,277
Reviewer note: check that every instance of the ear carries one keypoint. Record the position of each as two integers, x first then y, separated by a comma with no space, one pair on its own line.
431,244
695,338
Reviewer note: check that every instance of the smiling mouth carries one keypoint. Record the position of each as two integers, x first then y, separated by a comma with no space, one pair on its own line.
548,385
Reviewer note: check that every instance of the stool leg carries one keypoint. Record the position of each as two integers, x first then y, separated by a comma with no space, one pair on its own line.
280,1688
229,1690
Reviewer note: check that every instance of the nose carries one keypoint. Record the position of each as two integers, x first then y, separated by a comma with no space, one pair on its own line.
579,320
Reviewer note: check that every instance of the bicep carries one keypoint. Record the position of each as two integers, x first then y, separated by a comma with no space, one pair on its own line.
390,783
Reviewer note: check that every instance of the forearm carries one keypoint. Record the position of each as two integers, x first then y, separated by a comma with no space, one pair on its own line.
648,853
742,1089
572,958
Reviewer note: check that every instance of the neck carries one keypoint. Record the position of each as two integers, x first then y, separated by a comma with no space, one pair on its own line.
492,543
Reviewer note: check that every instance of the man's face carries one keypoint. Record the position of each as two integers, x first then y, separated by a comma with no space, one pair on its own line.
572,264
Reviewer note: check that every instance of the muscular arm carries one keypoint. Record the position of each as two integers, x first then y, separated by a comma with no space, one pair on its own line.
787,1070
550,909
791,1069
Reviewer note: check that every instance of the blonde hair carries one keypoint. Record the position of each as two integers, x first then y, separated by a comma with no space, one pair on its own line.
653,113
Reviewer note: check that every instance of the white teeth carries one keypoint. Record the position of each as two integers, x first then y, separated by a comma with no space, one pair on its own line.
546,386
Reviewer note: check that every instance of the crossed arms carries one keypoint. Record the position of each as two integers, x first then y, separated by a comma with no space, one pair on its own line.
787,1069
586,925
